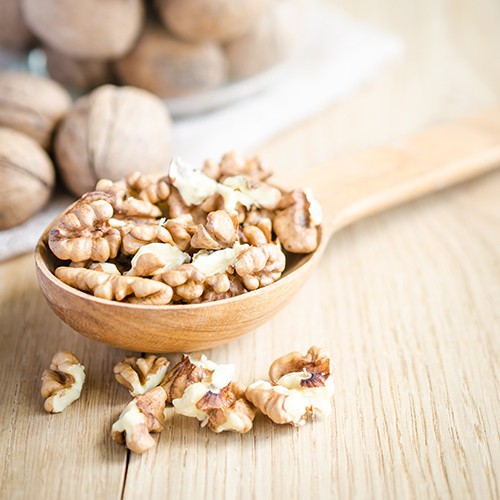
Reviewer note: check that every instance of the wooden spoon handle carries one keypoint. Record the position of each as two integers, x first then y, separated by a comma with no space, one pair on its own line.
354,187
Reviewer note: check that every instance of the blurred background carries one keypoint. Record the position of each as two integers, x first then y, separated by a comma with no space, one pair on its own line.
291,79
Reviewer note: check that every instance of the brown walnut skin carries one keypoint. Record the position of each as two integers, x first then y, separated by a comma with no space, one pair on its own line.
109,133
230,400
152,406
87,28
210,20
26,178
32,104
170,68
180,377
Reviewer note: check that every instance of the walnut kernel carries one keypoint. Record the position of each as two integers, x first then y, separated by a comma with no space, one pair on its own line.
139,375
143,415
62,383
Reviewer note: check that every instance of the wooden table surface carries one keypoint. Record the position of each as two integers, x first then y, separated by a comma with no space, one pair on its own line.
408,303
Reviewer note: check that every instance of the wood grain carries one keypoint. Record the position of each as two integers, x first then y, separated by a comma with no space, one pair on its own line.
407,302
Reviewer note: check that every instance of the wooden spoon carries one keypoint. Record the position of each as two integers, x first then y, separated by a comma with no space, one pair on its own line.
348,189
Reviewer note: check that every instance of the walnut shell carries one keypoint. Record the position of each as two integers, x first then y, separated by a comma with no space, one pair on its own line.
210,20
271,40
87,28
109,134
26,177
14,34
32,104
79,74
169,67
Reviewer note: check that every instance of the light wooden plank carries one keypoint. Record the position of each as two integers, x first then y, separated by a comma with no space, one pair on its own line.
69,455
408,303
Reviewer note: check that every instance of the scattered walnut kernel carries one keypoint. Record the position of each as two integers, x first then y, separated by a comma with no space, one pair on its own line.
233,413
188,371
62,383
281,405
303,386
194,235
217,402
144,414
139,375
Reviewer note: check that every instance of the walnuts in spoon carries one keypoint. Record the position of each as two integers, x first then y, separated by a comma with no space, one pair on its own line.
193,235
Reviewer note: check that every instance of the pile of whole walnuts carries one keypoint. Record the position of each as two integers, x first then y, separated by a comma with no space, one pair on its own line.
193,235
169,47
108,133
300,387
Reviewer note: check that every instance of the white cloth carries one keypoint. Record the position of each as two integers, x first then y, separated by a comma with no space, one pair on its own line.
343,54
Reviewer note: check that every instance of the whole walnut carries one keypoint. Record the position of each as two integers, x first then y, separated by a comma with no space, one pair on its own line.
210,20
32,104
78,74
169,67
26,177
14,34
86,28
271,40
110,133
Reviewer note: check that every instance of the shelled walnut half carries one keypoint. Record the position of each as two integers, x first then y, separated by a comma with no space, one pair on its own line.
217,402
142,416
139,375
301,387
62,384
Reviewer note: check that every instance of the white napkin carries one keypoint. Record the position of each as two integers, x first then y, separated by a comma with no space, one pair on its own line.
343,54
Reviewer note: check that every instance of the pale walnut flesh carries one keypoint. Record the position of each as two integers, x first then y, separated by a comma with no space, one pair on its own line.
156,258
139,375
142,416
108,286
217,402
62,384
310,374
294,225
302,386
281,405
84,233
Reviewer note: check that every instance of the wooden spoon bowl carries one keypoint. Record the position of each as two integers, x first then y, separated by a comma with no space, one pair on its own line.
348,190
